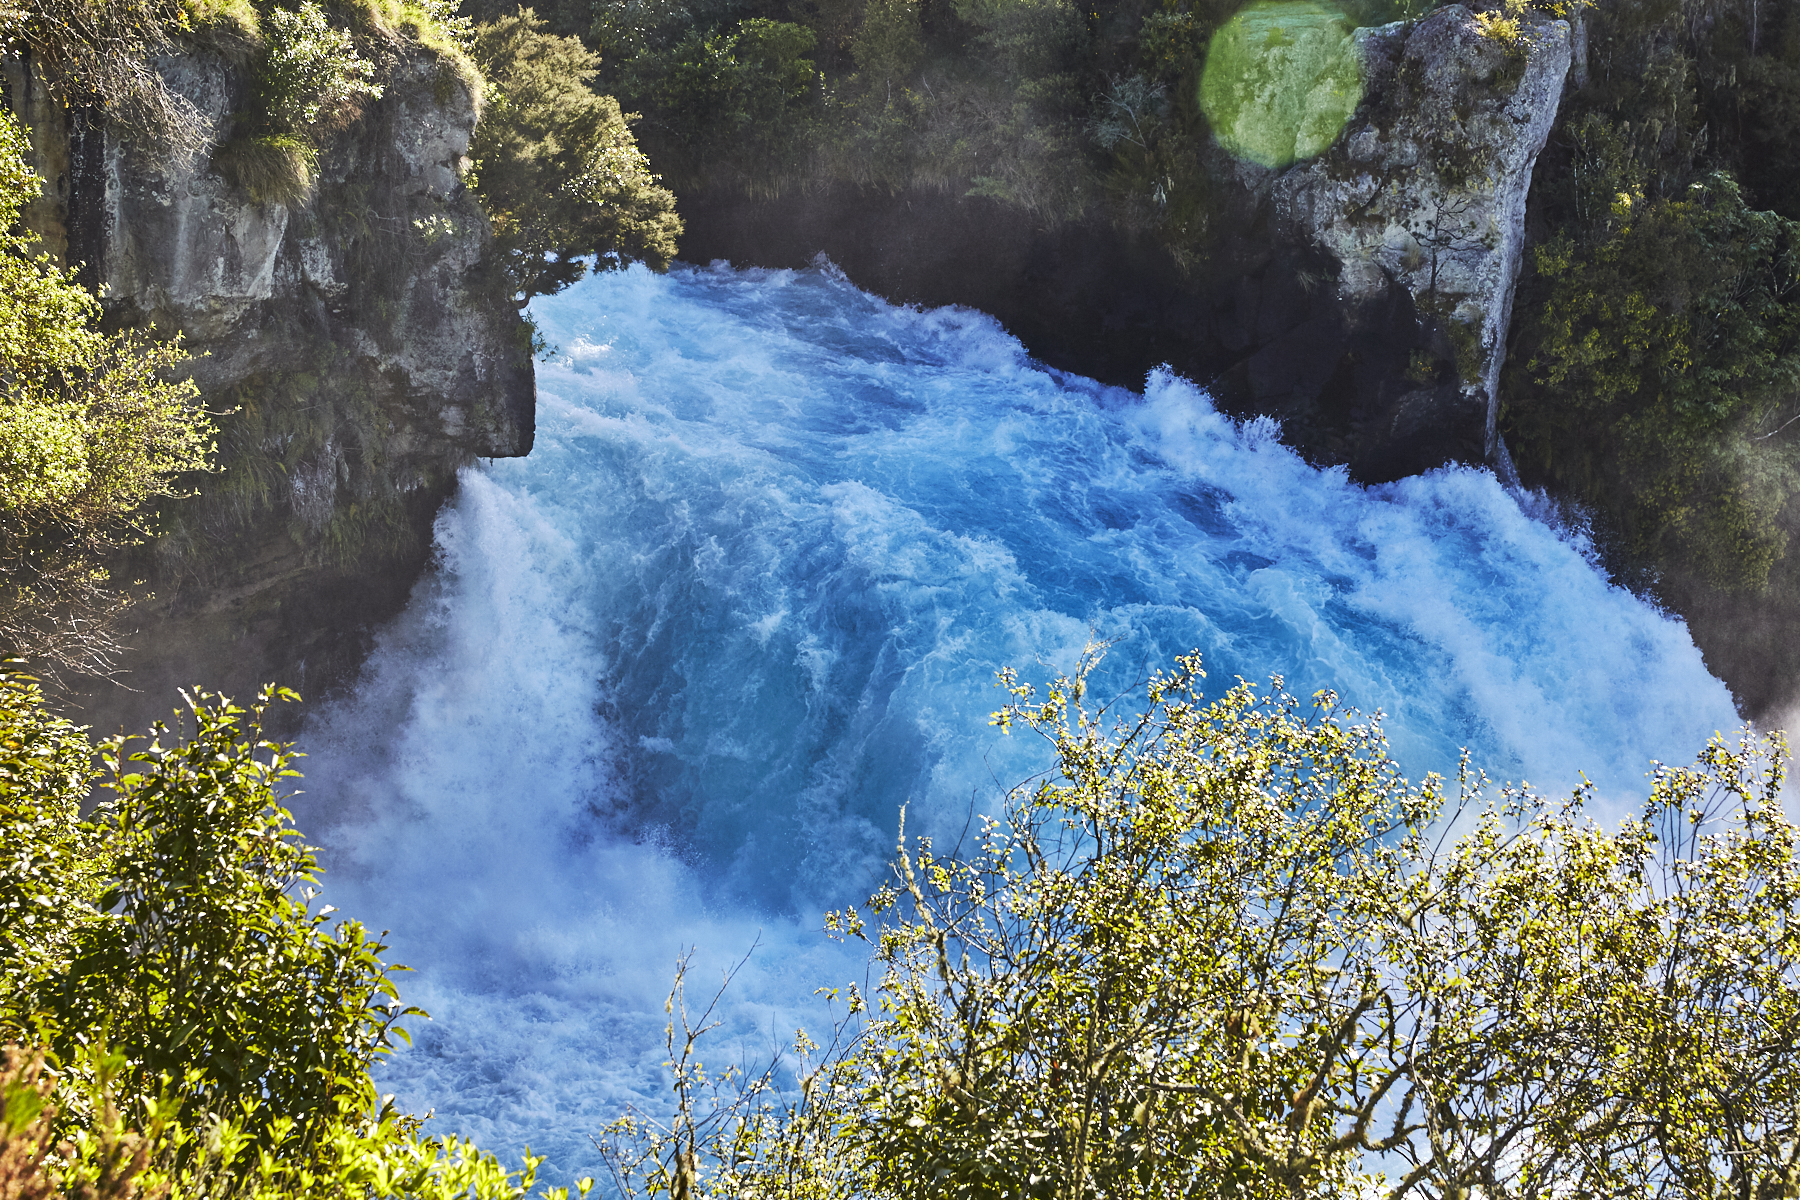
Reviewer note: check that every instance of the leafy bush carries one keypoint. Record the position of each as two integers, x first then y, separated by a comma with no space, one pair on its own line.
91,432
307,81
556,166
310,71
363,1156
172,937
1660,353
204,1034
1227,949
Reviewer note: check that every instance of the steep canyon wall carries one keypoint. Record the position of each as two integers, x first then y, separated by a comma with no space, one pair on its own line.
1361,297
351,341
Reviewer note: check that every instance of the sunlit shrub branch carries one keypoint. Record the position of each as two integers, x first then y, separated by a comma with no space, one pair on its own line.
1227,949
202,1028
93,432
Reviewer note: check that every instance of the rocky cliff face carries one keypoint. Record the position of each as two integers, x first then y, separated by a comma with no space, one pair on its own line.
1425,190
351,338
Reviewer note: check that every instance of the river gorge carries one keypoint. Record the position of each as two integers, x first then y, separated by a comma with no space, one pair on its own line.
678,671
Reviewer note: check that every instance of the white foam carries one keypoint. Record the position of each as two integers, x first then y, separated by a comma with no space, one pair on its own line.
681,666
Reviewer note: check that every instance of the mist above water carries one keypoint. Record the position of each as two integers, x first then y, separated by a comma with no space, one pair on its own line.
680,668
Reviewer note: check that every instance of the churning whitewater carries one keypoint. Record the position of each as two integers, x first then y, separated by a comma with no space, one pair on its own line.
679,669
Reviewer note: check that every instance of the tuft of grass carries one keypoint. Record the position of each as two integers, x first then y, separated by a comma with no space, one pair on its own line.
232,28
279,169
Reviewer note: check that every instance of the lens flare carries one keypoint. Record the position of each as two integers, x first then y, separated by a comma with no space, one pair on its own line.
1281,78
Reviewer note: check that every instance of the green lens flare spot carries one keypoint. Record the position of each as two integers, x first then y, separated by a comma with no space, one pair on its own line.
1281,78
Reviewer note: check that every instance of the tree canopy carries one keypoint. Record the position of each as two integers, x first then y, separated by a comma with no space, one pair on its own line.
556,166
1227,949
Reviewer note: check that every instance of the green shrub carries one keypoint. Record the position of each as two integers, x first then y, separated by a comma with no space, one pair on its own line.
555,164
206,1034
1226,949
183,944
307,82
310,71
92,432
1659,351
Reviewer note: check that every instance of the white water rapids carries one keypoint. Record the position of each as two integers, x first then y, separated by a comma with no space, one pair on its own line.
679,669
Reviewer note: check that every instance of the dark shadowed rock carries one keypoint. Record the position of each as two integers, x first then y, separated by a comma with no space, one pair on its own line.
1360,298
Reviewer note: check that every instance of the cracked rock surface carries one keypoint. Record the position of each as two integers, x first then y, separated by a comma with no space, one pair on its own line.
1426,187
359,352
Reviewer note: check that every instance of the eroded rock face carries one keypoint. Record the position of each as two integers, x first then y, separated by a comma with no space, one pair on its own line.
1426,187
360,350
1359,298
370,273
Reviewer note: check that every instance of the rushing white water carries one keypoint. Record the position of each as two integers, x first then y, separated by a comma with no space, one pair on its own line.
680,668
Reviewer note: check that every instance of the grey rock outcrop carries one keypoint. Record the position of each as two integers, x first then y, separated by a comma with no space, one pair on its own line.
1426,187
371,272
1359,298
359,351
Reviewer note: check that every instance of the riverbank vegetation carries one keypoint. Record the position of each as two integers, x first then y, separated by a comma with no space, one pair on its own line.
1219,948
185,1019
1228,949
100,430
1655,367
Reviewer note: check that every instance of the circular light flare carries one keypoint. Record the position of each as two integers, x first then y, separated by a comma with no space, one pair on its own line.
1281,78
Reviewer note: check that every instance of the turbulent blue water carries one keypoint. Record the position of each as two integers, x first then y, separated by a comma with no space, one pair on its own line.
681,667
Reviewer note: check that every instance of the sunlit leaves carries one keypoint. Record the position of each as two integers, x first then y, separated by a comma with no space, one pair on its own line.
556,166
92,430
1225,948
176,930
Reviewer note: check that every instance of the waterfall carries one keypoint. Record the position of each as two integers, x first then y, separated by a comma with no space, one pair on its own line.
678,671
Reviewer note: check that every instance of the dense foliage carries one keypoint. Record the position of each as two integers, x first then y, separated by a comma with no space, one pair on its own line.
1061,110
1227,949
556,166
205,1032
91,431
166,928
1668,356
1655,372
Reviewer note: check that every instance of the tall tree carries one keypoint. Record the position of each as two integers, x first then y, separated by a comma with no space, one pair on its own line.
556,166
